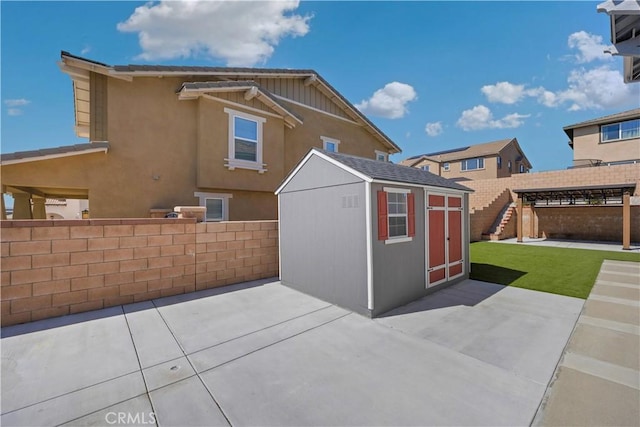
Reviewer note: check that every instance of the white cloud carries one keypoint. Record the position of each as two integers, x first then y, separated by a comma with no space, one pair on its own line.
433,129
481,117
589,47
15,106
503,92
243,33
86,49
600,87
16,102
389,102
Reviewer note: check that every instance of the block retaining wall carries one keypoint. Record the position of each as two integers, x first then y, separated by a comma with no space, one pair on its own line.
483,209
59,267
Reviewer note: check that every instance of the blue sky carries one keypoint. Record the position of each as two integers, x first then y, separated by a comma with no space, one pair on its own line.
431,75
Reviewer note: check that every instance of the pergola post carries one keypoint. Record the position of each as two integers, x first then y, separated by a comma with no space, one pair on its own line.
626,221
39,210
532,221
22,206
519,211
4,209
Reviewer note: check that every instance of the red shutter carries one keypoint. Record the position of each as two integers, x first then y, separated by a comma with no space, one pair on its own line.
411,215
383,224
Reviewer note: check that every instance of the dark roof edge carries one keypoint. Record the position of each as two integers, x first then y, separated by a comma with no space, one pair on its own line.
64,53
584,187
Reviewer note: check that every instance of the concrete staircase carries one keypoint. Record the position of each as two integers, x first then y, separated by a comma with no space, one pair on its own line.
503,218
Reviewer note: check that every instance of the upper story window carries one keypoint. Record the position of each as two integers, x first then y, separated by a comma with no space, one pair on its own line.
522,168
509,165
618,131
245,141
445,167
382,156
425,168
472,164
330,144
499,162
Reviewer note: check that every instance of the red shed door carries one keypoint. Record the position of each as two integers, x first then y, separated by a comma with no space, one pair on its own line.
444,241
454,226
437,248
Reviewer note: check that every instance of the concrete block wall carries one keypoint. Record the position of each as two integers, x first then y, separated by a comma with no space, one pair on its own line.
488,190
54,268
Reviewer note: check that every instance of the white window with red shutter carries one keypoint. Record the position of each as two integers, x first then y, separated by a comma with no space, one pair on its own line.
396,215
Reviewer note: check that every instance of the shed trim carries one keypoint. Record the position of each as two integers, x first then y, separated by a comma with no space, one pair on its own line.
306,158
369,242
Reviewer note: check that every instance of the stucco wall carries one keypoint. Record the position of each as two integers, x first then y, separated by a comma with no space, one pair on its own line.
587,145
163,150
53,268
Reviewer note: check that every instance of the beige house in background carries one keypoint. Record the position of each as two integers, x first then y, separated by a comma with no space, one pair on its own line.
609,140
496,159
164,136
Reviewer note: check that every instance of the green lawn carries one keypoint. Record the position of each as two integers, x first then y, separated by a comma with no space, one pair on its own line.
570,272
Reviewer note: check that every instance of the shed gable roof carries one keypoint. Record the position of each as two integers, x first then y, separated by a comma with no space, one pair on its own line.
375,170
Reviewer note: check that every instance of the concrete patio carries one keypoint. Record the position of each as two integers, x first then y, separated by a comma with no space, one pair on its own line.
262,354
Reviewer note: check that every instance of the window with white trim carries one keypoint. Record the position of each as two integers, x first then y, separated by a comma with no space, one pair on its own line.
445,166
245,140
396,215
472,164
217,205
499,159
425,168
330,144
522,168
619,131
381,156
509,165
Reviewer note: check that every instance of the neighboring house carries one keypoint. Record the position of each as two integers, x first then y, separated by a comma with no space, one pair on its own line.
496,159
370,236
164,136
66,208
625,35
609,140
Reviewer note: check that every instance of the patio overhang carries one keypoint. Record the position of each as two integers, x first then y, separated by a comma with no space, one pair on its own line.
588,196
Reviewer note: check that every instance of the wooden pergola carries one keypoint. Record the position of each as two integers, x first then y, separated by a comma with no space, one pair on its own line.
617,194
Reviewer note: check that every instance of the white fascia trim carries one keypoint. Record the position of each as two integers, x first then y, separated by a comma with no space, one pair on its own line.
238,105
54,156
306,158
369,239
316,109
68,64
279,245
209,73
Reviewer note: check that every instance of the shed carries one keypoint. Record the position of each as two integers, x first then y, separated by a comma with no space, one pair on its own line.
368,235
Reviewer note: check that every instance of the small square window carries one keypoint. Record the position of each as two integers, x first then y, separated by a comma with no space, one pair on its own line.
330,144
445,166
381,156
214,209
425,168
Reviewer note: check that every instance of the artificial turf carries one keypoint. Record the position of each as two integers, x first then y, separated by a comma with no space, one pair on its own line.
563,271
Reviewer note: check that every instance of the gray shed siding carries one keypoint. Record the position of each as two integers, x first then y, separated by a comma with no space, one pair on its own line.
323,235
398,268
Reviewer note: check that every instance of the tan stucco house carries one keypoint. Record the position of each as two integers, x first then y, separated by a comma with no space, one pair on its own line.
165,136
496,159
608,140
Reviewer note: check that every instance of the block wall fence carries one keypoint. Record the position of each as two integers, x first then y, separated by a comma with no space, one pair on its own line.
58,267
491,195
